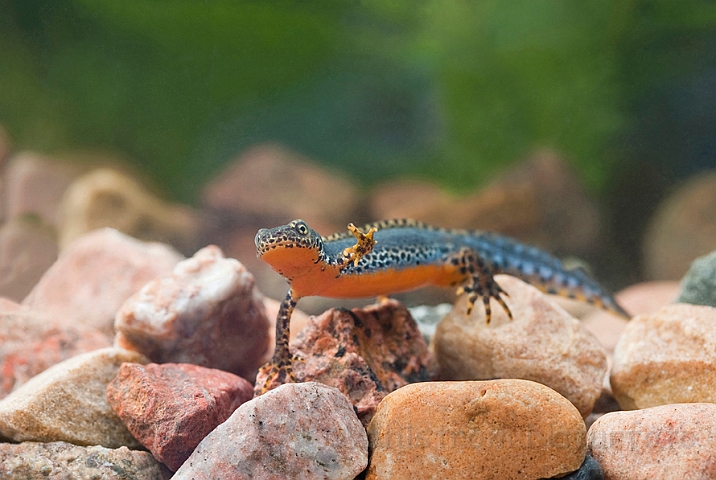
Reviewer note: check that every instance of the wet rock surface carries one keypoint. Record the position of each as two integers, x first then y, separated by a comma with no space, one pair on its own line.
96,274
305,430
543,344
481,429
666,442
365,353
206,312
666,357
64,461
170,408
67,402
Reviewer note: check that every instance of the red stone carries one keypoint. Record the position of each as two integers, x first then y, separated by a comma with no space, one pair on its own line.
171,407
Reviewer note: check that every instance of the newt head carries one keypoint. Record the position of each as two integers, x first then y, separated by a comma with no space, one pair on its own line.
292,250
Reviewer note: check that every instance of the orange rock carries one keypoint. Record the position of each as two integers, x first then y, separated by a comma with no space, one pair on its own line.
668,356
506,429
543,344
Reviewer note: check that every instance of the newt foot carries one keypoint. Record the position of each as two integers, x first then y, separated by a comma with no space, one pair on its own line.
363,246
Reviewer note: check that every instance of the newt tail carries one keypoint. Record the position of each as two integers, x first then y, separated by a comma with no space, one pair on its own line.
399,255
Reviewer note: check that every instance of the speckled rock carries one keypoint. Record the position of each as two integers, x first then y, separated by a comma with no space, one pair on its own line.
27,249
660,443
698,287
34,185
106,197
96,274
305,430
31,342
64,461
543,343
682,228
207,312
666,357
67,402
171,407
590,470
506,429
365,353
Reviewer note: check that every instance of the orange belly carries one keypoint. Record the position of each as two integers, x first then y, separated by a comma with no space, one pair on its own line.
373,284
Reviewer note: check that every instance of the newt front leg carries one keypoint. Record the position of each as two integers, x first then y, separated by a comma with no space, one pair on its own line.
281,365
364,245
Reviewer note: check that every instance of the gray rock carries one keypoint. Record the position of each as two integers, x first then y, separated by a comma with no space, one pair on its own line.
64,461
590,470
698,286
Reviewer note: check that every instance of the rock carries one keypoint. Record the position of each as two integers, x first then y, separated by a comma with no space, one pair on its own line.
64,461
296,189
170,408
543,344
671,441
34,185
698,287
67,402
493,429
305,430
666,357
207,312
365,353
96,274
27,249
682,228
636,299
106,197
590,470
31,342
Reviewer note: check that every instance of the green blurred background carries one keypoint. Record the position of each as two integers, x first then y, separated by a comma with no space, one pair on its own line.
448,90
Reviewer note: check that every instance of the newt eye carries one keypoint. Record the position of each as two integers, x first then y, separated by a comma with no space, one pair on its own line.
302,228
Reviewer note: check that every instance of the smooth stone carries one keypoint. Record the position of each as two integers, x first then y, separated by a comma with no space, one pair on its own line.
171,407
506,429
68,402
105,197
64,461
206,312
666,357
301,430
31,342
666,442
365,353
590,470
543,344
698,287
95,274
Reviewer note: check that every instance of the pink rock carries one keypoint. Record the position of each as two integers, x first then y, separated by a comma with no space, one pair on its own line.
307,431
365,353
543,344
96,274
207,312
27,249
171,407
31,342
666,442
35,185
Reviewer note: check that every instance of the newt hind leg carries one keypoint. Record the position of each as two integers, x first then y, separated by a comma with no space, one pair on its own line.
481,283
280,369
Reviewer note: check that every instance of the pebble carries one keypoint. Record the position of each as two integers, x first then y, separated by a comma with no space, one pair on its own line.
365,353
543,344
64,461
105,197
171,407
590,470
666,357
95,274
304,430
666,442
68,402
502,429
31,342
27,249
698,287
206,312
682,228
